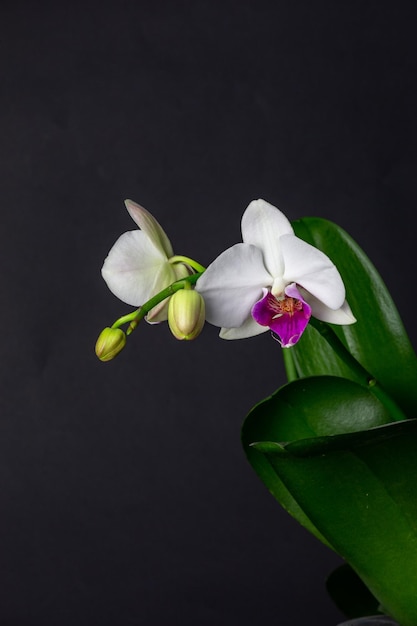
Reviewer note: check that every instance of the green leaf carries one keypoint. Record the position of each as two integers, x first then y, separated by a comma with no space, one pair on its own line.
306,410
378,339
360,491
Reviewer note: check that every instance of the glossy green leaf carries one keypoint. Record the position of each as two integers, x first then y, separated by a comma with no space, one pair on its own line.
378,339
301,410
360,491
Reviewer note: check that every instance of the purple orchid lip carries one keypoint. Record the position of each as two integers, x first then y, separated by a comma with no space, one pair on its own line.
287,316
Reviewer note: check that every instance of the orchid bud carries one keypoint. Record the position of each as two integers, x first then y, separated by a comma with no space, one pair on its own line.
110,342
186,314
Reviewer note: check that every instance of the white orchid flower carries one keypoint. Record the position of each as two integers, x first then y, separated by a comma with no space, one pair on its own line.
142,263
273,280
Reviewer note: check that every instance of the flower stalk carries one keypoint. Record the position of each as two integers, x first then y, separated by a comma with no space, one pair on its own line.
136,316
179,258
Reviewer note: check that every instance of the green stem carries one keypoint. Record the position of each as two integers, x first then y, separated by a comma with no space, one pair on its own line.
361,374
135,317
289,365
178,258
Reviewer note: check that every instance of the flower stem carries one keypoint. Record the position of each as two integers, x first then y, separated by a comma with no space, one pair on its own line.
361,374
178,258
134,318
290,369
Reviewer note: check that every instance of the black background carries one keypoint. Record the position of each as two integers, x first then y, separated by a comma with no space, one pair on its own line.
125,495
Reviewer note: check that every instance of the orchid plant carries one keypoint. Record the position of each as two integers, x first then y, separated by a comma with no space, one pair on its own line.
336,444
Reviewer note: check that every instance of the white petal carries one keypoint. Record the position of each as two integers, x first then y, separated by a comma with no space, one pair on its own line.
248,329
133,267
262,226
150,227
232,284
341,316
312,269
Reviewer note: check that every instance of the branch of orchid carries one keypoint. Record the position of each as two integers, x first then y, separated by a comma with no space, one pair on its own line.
364,377
178,258
134,318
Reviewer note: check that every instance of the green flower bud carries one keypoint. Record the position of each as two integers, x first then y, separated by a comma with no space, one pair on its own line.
110,342
186,314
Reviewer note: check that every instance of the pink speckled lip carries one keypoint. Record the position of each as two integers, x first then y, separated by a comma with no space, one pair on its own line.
287,316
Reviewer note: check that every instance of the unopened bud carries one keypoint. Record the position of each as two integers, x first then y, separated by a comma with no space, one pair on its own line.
110,342
186,314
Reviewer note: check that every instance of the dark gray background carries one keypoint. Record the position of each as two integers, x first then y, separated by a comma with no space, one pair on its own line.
125,495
